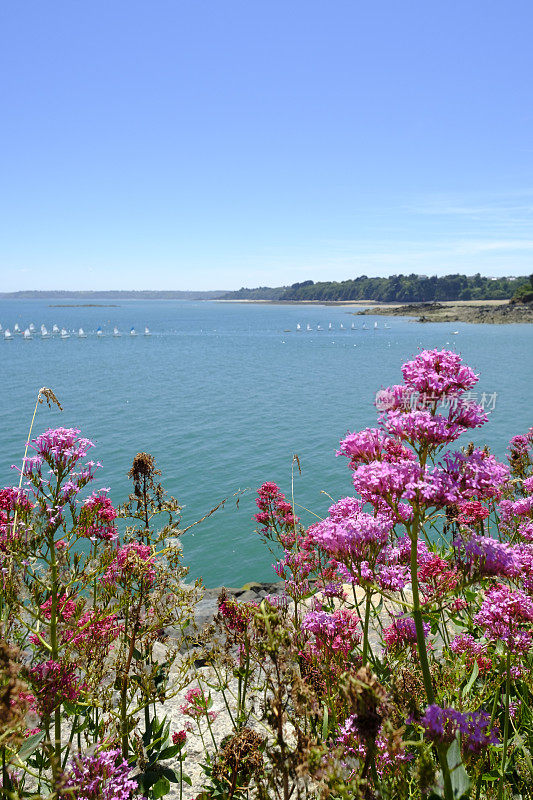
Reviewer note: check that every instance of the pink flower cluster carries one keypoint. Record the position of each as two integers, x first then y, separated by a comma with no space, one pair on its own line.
438,373
97,517
275,513
337,631
93,630
465,644
442,724
349,533
134,561
104,775
401,633
506,615
472,512
54,682
196,705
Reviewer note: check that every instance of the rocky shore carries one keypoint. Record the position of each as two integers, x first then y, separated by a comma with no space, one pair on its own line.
495,314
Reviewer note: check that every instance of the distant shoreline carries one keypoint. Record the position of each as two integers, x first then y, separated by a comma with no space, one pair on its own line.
476,312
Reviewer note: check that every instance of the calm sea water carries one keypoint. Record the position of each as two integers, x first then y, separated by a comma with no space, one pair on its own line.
223,395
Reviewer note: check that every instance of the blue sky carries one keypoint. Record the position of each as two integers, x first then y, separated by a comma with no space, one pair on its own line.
200,145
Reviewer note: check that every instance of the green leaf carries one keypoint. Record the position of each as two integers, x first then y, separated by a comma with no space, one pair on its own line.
170,752
475,673
30,745
325,723
170,774
161,788
459,777
186,779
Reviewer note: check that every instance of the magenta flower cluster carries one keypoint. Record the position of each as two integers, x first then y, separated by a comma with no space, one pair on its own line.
442,725
102,776
97,517
134,561
54,682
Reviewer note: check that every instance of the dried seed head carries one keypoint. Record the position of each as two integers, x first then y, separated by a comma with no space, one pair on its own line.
47,395
367,701
143,467
240,757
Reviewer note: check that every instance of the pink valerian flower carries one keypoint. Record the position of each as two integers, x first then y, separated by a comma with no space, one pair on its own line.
482,555
401,633
93,630
54,682
295,568
103,775
179,737
421,426
12,499
196,705
442,725
372,444
236,616
476,474
438,373
525,530
61,448
66,607
405,480
507,615
472,512
355,536
275,513
465,644
528,484
97,518
437,578
519,445
134,561
337,631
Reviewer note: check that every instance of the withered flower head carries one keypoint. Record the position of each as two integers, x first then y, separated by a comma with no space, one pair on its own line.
367,701
143,467
47,395
13,705
239,758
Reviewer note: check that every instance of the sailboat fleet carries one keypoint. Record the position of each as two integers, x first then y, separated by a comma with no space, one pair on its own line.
342,327
30,332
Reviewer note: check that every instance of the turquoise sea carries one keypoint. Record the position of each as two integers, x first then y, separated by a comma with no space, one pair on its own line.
223,395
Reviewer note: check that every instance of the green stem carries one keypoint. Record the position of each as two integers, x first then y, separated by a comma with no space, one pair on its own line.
365,629
505,724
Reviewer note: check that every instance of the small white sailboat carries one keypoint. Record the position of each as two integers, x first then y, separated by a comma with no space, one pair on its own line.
44,333
319,327
31,327
387,325
1,329
147,331
365,326
308,327
375,326
298,326
353,326
329,326
55,329
116,331
82,334
65,334
98,331
16,328
455,333
342,327
27,334
133,332
7,335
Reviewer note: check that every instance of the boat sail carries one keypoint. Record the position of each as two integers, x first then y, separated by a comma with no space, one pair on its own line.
31,327
308,327
353,326
375,326
16,328
116,331
44,332
65,334
133,332
82,334
98,331
55,329
27,334
298,326
7,335
147,331
329,326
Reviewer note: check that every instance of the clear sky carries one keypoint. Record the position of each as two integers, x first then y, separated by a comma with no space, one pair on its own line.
186,144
